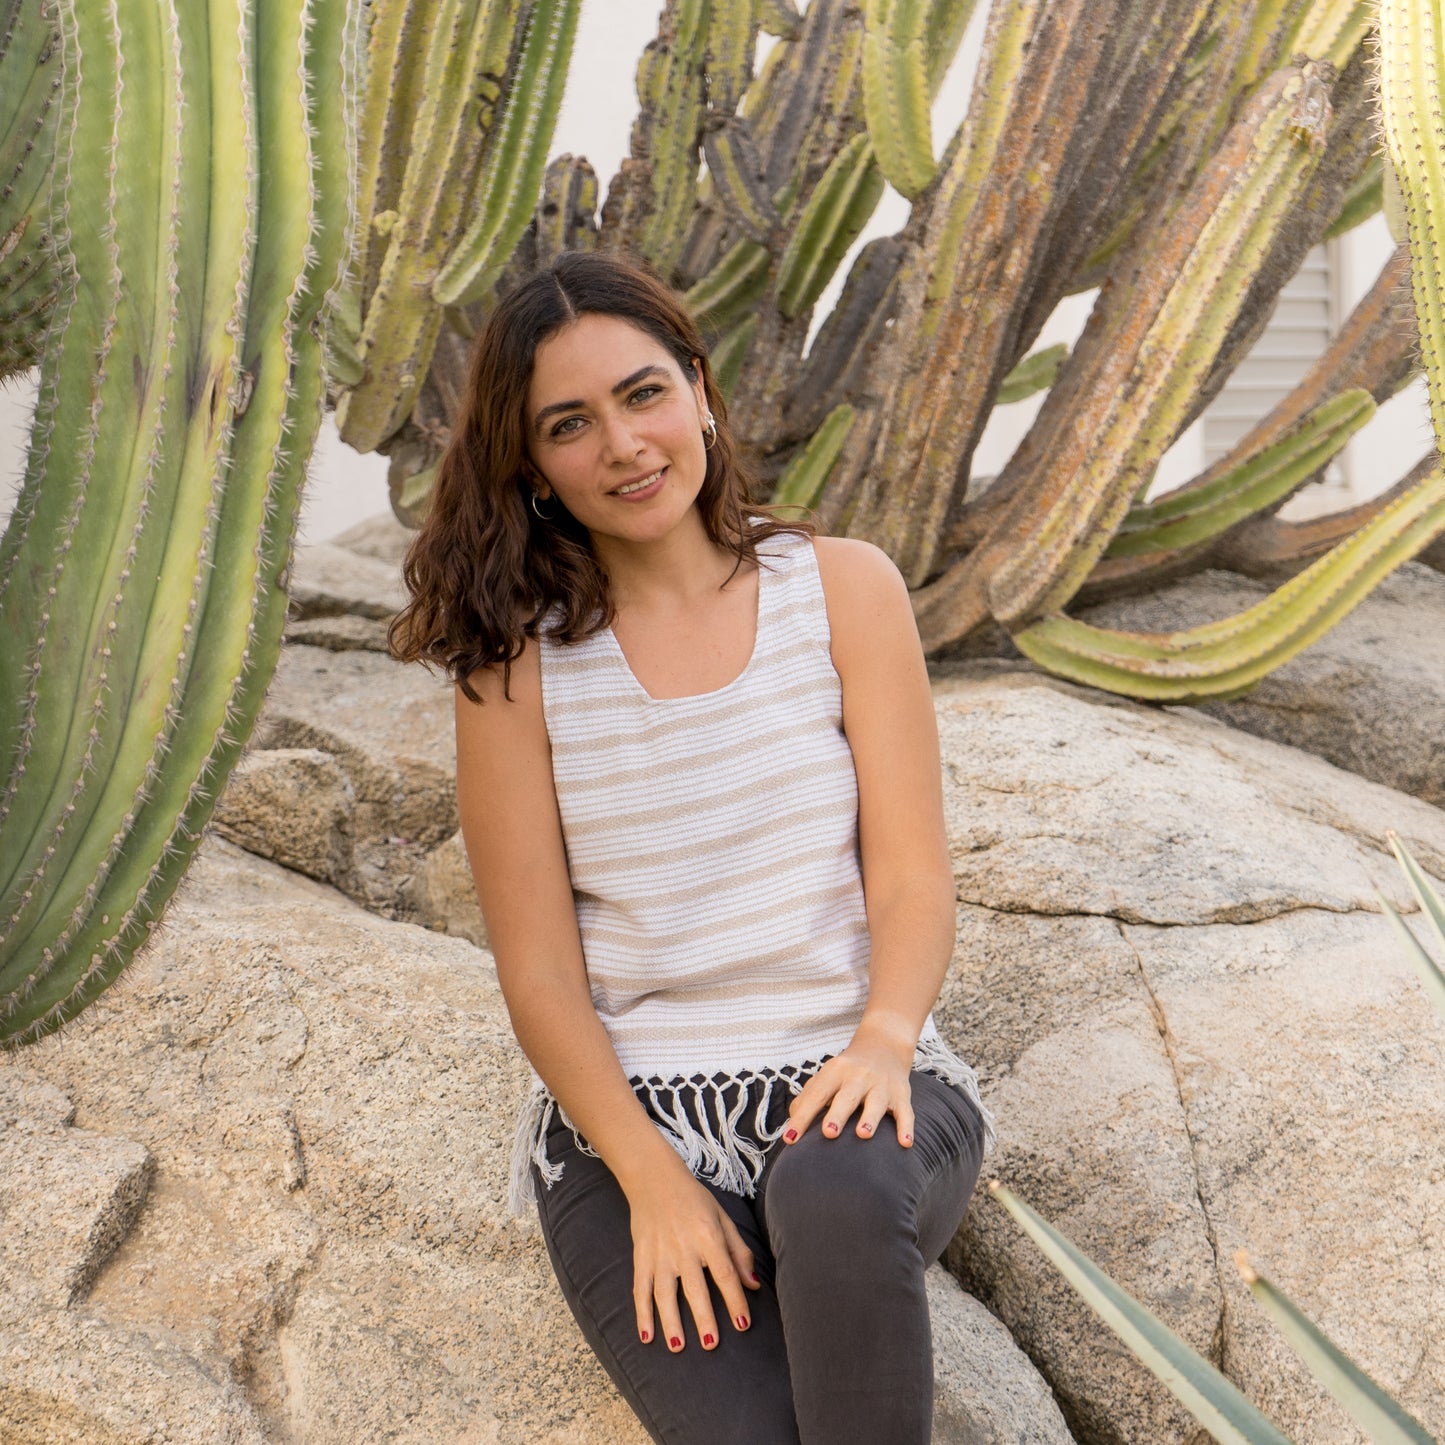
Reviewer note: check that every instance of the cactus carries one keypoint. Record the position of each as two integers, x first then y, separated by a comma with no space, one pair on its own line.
445,200
186,387
29,81
1412,92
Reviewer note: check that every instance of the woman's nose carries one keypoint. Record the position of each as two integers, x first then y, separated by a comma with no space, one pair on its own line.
620,441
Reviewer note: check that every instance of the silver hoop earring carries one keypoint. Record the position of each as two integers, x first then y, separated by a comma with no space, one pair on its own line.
711,432
542,516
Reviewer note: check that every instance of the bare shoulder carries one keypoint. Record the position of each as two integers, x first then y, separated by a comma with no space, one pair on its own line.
865,593
848,562
514,709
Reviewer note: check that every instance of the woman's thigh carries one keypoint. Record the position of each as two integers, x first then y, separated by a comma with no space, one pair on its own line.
735,1394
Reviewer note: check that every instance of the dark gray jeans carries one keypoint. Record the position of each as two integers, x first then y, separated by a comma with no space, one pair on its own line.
839,1351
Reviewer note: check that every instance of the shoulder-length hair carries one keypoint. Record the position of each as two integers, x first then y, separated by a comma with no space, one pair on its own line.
484,570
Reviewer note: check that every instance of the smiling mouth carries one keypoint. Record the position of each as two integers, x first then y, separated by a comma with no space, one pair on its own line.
638,485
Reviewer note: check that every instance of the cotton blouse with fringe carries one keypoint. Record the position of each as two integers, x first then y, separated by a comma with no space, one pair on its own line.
712,844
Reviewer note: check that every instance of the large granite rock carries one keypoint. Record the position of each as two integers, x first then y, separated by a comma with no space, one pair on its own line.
1198,1035
282,1155
1369,695
390,733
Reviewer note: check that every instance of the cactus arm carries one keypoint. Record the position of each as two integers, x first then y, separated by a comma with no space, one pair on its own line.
895,91
780,18
732,287
1412,93
736,169
732,42
804,477
395,85
518,158
467,46
839,361
830,222
1035,373
1228,657
1185,519
650,202
246,437
728,355
1363,199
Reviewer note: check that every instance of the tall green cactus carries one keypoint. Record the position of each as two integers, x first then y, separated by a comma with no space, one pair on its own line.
178,405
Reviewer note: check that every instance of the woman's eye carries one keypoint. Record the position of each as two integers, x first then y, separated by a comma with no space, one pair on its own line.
643,393
565,427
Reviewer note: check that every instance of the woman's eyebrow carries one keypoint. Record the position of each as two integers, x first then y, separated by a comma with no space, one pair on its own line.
617,390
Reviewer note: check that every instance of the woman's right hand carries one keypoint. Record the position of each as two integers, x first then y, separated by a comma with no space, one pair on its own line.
678,1231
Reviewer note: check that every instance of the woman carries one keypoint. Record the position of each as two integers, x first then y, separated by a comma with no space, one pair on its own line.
699,783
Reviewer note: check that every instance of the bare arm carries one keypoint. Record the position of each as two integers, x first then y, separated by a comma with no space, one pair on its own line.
907,876
513,833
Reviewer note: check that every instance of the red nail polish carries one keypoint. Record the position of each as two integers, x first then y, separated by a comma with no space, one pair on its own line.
754,1278
791,1135
908,1138
675,1343
742,1322
707,1339
645,1336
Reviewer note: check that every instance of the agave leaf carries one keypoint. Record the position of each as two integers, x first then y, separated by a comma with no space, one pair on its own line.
1189,1377
1380,1417
1431,974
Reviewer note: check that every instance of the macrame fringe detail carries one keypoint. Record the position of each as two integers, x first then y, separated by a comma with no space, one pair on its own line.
707,1139
933,1056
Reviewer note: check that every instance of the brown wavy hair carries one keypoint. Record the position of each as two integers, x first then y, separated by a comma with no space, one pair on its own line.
484,571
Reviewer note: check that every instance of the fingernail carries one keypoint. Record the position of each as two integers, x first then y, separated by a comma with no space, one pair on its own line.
908,1138
646,1335
742,1321
865,1128
707,1339
754,1278
675,1342
790,1135
831,1128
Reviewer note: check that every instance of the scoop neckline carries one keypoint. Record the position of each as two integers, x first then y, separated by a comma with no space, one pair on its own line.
714,692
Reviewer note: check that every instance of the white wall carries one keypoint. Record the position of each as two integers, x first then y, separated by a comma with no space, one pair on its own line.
595,121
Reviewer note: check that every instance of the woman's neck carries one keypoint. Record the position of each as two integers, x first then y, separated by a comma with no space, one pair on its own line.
670,572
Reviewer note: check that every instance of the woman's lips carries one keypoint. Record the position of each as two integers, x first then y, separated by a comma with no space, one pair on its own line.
643,493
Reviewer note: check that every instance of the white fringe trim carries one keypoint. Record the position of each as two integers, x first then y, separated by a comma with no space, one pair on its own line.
717,1153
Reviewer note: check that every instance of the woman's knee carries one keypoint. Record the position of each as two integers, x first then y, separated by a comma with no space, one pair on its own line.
840,1189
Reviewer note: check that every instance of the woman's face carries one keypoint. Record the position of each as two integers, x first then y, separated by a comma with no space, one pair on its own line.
615,427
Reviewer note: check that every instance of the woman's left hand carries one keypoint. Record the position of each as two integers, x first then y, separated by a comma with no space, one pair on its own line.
866,1072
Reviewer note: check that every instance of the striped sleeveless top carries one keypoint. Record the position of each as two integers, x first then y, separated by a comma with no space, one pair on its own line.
712,844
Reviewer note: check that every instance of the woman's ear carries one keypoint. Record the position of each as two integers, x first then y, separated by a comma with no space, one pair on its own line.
695,365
